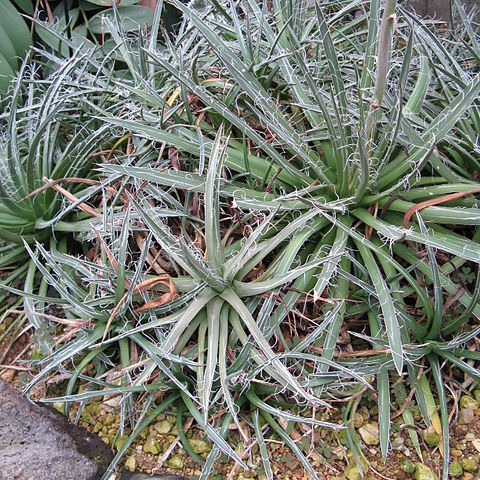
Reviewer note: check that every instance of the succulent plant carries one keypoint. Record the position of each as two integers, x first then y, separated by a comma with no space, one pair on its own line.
281,176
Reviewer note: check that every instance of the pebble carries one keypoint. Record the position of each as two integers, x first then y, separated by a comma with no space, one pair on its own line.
468,402
398,444
470,464
476,443
364,412
431,437
163,427
369,433
352,473
130,464
408,466
422,472
417,416
461,430
199,446
151,446
95,408
176,462
476,394
358,420
466,416
59,407
455,469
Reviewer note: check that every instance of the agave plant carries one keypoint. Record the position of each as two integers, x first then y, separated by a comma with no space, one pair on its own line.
47,154
302,166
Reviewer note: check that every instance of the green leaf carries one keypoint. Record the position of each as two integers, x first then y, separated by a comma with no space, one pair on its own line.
25,5
55,36
383,388
131,18
386,305
7,50
213,313
214,247
190,313
261,443
437,375
437,287
265,407
244,289
335,254
15,27
294,176
6,73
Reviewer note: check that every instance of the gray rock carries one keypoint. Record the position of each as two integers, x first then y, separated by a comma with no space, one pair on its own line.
38,443
466,416
439,9
398,444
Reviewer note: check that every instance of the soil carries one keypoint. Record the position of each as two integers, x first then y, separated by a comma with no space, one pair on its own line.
329,453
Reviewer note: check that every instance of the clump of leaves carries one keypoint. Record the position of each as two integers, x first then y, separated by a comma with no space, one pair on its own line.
85,25
306,175
48,148
41,142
